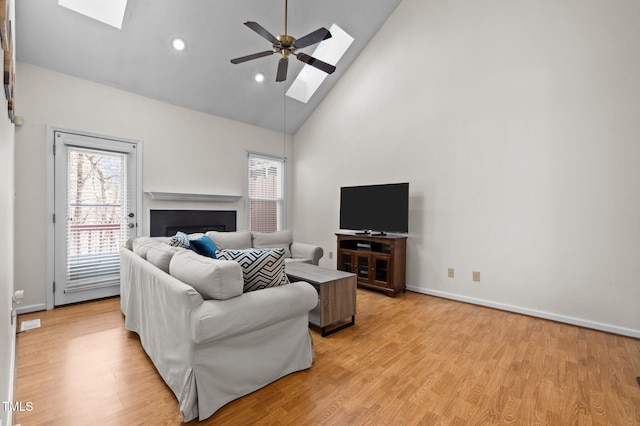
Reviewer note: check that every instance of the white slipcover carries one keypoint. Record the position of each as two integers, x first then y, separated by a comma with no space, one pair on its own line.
210,352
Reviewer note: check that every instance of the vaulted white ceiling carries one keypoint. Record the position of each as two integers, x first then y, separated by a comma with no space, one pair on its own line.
139,58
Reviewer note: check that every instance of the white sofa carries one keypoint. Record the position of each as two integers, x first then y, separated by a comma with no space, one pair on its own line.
241,240
208,351
294,251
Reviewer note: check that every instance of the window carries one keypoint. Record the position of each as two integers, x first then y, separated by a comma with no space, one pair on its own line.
266,201
96,217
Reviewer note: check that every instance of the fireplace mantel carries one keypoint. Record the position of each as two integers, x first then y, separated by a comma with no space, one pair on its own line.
182,196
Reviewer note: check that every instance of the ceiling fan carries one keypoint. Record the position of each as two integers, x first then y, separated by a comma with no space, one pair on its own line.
287,45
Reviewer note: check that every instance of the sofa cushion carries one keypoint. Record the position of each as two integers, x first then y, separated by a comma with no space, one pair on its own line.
141,245
261,268
279,239
180,240
298,260
160,255
204,246
238,240
212,278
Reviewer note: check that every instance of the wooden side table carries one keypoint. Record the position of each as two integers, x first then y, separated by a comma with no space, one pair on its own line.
336,295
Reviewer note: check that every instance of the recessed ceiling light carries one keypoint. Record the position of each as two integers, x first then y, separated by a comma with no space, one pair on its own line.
259,77
179,44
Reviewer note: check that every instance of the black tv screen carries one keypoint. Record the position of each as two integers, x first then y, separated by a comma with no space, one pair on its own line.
378,208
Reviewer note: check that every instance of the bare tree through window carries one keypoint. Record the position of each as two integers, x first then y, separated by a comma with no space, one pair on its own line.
96,213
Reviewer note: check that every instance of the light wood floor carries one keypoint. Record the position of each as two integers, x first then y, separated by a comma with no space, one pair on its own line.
413,359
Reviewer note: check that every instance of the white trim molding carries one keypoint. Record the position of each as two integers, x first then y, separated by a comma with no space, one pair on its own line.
530,312
31,308
50,189
181,196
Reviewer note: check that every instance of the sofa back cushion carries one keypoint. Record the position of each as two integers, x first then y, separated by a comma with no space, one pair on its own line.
261,268
238,240
279,239
160,255
141,245
212,278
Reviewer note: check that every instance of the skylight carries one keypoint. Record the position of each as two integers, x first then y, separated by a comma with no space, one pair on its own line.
110,12
310,78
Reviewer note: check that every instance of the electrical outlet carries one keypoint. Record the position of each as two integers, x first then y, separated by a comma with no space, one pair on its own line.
330,255
450,273
476,276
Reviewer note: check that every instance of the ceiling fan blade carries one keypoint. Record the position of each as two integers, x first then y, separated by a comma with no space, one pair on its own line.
283,64
322,66
260,30
312,38
250,57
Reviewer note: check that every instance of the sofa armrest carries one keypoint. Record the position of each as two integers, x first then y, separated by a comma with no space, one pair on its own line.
219,319
306,251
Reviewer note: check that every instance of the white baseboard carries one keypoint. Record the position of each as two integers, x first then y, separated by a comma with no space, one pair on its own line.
31,308
9,391
531,312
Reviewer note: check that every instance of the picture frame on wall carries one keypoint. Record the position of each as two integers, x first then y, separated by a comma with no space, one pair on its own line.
6,40
8,66
4,15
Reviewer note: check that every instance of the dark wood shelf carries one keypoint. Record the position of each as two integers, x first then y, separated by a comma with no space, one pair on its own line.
379,261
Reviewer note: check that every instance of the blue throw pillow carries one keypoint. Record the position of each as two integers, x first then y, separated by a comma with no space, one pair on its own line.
204,246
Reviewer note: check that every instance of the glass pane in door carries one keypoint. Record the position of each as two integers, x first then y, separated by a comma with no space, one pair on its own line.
382,273
346,262
96,217
363,267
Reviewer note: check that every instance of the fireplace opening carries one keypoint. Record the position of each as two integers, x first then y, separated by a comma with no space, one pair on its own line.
165,223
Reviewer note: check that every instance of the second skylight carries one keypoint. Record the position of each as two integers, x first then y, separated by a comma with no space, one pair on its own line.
310,78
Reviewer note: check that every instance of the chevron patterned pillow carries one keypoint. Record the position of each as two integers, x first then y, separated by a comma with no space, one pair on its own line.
180,240
261,268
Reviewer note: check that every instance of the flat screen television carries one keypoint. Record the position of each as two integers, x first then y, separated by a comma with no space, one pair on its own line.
375,208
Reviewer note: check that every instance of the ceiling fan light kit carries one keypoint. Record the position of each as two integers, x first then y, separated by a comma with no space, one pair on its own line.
287,45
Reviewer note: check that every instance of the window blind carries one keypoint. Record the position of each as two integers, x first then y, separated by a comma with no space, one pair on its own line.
266,193
96,217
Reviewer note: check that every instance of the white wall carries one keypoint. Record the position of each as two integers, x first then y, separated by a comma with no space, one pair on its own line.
7,330
183,151
516,124
7,191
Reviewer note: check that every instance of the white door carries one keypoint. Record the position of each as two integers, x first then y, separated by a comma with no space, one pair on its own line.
95,212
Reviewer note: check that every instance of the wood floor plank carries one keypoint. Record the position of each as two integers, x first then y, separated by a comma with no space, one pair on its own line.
410,360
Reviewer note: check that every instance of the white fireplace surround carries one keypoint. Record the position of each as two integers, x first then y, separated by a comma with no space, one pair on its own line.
183,196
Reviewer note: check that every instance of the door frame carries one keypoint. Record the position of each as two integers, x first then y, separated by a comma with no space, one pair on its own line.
50,203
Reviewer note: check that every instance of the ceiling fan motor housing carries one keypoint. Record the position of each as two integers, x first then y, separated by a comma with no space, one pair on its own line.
285,47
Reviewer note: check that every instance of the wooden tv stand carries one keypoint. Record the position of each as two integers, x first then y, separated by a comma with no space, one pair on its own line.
379,261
